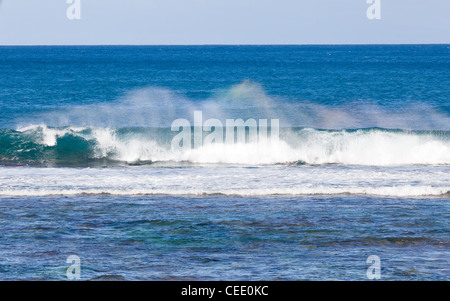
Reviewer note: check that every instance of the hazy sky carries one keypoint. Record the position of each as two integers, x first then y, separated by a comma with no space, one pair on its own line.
31,22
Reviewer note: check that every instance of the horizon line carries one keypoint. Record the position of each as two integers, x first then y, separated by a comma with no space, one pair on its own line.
213,44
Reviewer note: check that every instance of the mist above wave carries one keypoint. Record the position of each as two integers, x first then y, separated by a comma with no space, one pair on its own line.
159,107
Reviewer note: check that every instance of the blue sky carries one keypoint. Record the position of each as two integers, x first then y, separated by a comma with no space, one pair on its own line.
44,22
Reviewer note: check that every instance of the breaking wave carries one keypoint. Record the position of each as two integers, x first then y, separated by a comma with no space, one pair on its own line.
41,145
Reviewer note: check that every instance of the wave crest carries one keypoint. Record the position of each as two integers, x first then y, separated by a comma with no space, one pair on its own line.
71,146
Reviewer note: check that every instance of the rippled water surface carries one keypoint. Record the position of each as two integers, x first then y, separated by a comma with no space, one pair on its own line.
224,238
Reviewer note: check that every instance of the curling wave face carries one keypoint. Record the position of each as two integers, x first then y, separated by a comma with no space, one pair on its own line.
90,146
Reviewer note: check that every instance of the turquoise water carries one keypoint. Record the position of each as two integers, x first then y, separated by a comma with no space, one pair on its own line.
361,167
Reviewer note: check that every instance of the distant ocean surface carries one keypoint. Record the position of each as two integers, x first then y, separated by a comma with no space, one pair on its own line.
361,166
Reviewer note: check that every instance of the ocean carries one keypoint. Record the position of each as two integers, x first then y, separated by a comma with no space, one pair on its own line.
355,163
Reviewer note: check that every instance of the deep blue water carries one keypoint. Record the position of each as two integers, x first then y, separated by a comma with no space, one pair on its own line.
33,79
362,166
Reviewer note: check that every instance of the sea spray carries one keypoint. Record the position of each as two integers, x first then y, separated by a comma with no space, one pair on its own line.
159,107
42,145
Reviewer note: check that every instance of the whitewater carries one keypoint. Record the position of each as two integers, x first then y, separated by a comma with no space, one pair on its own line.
71,161
96,149
41,145
242,181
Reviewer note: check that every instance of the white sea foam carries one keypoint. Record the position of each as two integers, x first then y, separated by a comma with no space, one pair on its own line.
361,147
413,181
